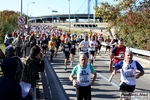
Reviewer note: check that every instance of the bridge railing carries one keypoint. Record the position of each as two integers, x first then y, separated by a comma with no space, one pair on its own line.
135,51
52,87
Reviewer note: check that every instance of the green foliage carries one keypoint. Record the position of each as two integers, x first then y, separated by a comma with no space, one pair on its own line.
8,22
2,47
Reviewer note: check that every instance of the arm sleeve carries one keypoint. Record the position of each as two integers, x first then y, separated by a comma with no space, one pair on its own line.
139,67
74,71
80,44
118,65
92,69
114,50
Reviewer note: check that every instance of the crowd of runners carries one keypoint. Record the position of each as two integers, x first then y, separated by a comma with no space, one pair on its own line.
51,39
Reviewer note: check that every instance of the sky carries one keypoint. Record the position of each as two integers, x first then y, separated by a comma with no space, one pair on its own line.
45,7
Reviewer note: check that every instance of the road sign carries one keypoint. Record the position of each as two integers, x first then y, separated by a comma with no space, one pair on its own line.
21,20
21,27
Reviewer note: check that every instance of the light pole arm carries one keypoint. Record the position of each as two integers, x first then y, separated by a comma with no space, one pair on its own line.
27,10
69,15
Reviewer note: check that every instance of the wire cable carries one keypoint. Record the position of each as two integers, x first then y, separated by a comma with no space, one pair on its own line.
80,7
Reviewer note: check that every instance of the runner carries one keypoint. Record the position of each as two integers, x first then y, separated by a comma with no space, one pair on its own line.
78,40
58,41
73,49
66,50
83,46
114,42
100,39
128,74
90,34
117,53
51,46
92,44
83,82
107,41
44,44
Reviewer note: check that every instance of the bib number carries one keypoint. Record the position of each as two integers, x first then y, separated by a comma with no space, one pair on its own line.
129,74
66,49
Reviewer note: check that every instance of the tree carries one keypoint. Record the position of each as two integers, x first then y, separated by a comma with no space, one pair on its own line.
131,20
8,22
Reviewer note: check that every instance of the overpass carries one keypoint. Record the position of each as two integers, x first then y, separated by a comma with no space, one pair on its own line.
61,17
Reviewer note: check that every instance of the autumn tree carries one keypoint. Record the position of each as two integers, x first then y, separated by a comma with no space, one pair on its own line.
131,20
8,22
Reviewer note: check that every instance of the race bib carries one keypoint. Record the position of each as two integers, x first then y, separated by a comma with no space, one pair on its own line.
44,44
72,46
92,48
122,55
84,79
129,74
66,49
84,48
108,43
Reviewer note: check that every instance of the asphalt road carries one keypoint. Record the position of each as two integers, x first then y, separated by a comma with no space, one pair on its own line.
102,90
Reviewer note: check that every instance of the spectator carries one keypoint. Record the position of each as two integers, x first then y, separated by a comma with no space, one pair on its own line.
7,39
10,88
18,45
33,65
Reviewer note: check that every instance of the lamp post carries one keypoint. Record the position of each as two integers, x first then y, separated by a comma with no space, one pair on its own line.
52,13
69,15
21,9
27,9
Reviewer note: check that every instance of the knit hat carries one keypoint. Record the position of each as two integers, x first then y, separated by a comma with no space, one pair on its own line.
10,51
12,68
34,51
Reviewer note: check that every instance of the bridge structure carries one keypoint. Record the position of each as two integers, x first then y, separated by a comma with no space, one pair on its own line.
61,18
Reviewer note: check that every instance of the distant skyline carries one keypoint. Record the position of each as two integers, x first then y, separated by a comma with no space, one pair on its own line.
45,7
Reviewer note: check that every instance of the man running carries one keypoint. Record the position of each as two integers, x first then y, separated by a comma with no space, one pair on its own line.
58,41
83,82
128,73
66,50
51,46
93,44
73,49
117,53
83,46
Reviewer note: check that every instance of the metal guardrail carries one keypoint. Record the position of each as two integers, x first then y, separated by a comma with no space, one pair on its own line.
53,89
136,51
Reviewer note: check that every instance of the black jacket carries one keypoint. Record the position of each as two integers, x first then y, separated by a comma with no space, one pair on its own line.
32,66
10,88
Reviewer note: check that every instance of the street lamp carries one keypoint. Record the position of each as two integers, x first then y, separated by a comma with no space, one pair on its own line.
21,9
69,15
52,13
27,9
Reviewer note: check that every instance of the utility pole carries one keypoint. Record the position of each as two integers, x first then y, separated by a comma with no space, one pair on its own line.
69,15
94,12
89,10
21,9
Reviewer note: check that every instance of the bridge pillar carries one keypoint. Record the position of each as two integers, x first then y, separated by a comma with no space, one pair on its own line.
58,19
77,19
